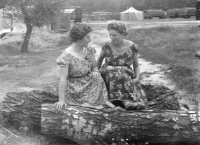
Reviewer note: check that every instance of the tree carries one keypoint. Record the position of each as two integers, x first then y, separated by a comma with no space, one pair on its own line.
34,13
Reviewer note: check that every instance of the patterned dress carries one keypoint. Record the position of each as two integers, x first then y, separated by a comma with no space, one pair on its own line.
81,88
117,74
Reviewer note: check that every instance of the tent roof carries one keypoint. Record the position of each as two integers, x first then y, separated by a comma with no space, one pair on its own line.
69,11
4,22
131,9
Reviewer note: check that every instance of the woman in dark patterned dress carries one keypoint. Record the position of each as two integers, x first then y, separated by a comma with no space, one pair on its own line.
80,82
121,80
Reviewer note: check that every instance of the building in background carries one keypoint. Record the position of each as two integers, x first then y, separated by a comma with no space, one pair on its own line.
198,10
66,18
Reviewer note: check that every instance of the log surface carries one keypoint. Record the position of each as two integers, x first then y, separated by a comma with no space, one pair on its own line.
25,109
87,125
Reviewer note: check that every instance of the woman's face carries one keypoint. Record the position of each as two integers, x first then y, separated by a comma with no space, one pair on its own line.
86,40
115,36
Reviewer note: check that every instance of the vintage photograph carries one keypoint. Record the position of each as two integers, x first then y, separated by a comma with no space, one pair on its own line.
99,72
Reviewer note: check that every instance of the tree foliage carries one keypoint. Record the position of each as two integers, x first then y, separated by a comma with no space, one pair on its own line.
33,13
40,12
121,5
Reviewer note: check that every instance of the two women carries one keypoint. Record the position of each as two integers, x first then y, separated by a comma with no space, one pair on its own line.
79,72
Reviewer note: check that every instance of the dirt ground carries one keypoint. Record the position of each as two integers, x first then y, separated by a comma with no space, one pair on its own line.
37,69
24,72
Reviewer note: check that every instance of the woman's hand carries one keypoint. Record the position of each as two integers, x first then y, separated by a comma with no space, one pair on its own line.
59,105
95,75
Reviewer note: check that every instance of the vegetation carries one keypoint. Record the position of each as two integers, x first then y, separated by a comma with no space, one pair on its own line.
176,47
32,13
40,12
173,46
121,5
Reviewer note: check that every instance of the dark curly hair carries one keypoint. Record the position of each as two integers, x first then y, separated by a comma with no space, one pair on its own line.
79,31
119,27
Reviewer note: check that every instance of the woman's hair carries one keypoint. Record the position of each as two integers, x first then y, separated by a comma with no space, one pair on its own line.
79,31
119,27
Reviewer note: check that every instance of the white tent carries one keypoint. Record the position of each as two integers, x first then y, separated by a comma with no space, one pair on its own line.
5,25
69,11
131,15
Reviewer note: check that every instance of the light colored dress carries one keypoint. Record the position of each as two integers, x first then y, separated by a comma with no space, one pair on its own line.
81,88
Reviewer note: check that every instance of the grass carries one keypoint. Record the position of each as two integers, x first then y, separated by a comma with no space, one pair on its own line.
33,70
174,46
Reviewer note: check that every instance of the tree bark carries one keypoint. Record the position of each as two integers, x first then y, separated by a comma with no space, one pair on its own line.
23,109
34,110
84,125
29,28
27,37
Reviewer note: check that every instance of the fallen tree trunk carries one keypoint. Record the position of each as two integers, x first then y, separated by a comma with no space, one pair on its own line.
23,109
90,125
156,125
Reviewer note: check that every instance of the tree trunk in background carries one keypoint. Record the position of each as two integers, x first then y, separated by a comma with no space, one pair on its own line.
11,22
27,37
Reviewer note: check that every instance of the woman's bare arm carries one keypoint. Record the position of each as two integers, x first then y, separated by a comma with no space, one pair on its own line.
94,64
136,67
100,59
62,84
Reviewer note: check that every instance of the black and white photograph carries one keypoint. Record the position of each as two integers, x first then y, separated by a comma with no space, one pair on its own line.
99,72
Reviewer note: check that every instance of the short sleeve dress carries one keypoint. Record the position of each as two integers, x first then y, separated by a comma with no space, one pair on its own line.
81,88
117,74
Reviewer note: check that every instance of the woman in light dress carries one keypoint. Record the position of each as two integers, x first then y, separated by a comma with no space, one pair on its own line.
80,82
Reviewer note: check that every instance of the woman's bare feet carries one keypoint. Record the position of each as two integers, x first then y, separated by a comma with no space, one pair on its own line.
134,105
118,108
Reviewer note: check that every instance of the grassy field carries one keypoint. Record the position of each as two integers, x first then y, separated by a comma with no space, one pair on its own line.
172,46
175,47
